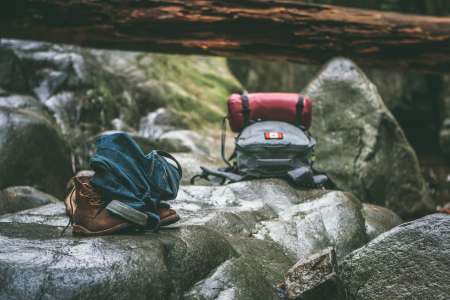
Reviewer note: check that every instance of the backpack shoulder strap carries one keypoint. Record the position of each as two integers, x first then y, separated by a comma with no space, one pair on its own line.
225,175
245,108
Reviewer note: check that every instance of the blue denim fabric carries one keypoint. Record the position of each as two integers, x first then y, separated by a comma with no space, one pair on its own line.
123,172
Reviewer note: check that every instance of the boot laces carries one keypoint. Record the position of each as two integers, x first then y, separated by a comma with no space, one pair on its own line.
87,193
71,213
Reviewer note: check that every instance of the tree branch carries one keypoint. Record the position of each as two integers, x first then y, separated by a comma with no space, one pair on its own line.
277,29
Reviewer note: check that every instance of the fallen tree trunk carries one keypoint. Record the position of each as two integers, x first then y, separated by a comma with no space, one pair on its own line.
274,29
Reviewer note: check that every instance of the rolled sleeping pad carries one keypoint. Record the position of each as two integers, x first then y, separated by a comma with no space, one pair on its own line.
287,107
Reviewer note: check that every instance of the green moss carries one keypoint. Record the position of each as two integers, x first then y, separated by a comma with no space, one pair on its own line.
197,87
129,85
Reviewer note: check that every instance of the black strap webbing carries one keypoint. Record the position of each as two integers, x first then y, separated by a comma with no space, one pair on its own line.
246,108
300,105
223,139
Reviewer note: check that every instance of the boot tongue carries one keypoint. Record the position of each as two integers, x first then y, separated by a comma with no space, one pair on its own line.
87,192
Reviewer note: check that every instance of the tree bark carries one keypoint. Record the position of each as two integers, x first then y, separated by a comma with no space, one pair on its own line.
276,29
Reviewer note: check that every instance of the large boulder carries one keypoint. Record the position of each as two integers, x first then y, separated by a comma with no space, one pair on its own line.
233,242
411,261
32,150
42,265
360,144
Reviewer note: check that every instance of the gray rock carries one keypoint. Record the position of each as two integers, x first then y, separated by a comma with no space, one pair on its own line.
404,94
233,242
184,141
12,75
411,261
25,103
156,123
360,144
51,214
379,219
316,277
120,125
155,266
88,91
302,222
252,275
21,101
32,151
191,163
19,198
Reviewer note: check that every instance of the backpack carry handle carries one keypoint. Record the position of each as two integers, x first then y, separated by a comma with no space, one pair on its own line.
274,162
280,146
169,156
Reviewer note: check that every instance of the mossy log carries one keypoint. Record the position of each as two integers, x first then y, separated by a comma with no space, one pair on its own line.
289,30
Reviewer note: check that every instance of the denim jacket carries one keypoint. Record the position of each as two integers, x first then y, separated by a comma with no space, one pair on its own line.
123,172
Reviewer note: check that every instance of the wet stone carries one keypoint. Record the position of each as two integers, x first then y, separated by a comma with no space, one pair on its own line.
19,198
411,261
233,242
314,278
121,267
379,219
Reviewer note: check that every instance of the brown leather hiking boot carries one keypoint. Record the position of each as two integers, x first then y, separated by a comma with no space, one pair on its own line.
89,216
167,216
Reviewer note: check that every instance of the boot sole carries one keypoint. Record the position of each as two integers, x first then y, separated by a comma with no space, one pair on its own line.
169,220
82,231
128,213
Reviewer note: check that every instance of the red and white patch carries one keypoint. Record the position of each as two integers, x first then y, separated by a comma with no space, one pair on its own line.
273,135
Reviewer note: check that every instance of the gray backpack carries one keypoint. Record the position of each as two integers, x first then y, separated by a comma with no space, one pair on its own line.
272,149
268,149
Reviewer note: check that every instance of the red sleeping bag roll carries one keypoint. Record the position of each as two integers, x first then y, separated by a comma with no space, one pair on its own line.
288,107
